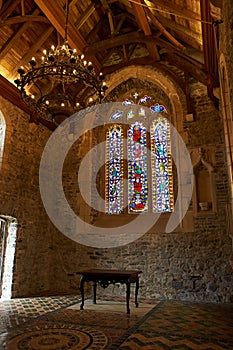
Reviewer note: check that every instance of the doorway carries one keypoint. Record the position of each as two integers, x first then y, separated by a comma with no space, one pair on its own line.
8,233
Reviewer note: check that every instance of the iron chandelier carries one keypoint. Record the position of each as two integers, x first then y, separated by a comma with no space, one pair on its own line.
53,81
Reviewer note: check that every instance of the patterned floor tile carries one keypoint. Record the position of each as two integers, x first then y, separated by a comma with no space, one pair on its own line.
17,311
206,320
153,340
59,324
52,336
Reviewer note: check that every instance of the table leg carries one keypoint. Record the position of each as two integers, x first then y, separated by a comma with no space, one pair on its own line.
94,292
82,292
127,296
136,292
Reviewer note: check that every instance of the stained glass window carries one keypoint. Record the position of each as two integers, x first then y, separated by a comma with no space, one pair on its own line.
160,192
114,171
137,169
162,180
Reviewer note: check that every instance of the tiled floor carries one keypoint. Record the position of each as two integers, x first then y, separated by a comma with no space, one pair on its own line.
56,323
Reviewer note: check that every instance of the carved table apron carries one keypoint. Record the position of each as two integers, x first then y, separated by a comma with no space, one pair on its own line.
106,277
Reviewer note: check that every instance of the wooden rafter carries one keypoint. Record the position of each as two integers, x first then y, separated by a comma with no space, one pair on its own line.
172,7
8,8
20,19
133,37
173,55
11,93
186,35
210,55
93,33
125,53
112,28
22,8
31,52
131,49
56,16
163,30
144,25
82,19
119,24
116,41
15,37
190,67
110,16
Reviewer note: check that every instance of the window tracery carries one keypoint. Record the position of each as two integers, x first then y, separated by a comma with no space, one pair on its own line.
158,197
114,172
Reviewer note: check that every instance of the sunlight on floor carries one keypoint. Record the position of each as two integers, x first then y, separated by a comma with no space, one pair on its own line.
115,306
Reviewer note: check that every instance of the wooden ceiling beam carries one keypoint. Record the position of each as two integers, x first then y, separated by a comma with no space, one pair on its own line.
15,37
31,52
161,28
22,8
186,35
210,55
110,16
131,49
153,50
174,8
141,17
170,49
20,19
135,37
119,24
57,17
173,55
8,8
188,67
125,53
91,36
113,42
84,17
144,25
11,93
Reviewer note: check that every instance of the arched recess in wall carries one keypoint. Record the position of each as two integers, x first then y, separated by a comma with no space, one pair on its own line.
204,198
2,136
156,77
228,132
120,89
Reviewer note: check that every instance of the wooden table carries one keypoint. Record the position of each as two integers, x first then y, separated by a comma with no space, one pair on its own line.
106,277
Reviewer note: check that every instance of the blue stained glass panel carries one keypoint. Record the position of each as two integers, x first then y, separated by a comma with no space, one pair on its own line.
162,180
137,169
114,171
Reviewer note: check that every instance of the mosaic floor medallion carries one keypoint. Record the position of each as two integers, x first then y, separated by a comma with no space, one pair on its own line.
58,339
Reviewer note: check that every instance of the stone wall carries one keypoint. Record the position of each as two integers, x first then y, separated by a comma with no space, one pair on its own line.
20,198
192,265
178,265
